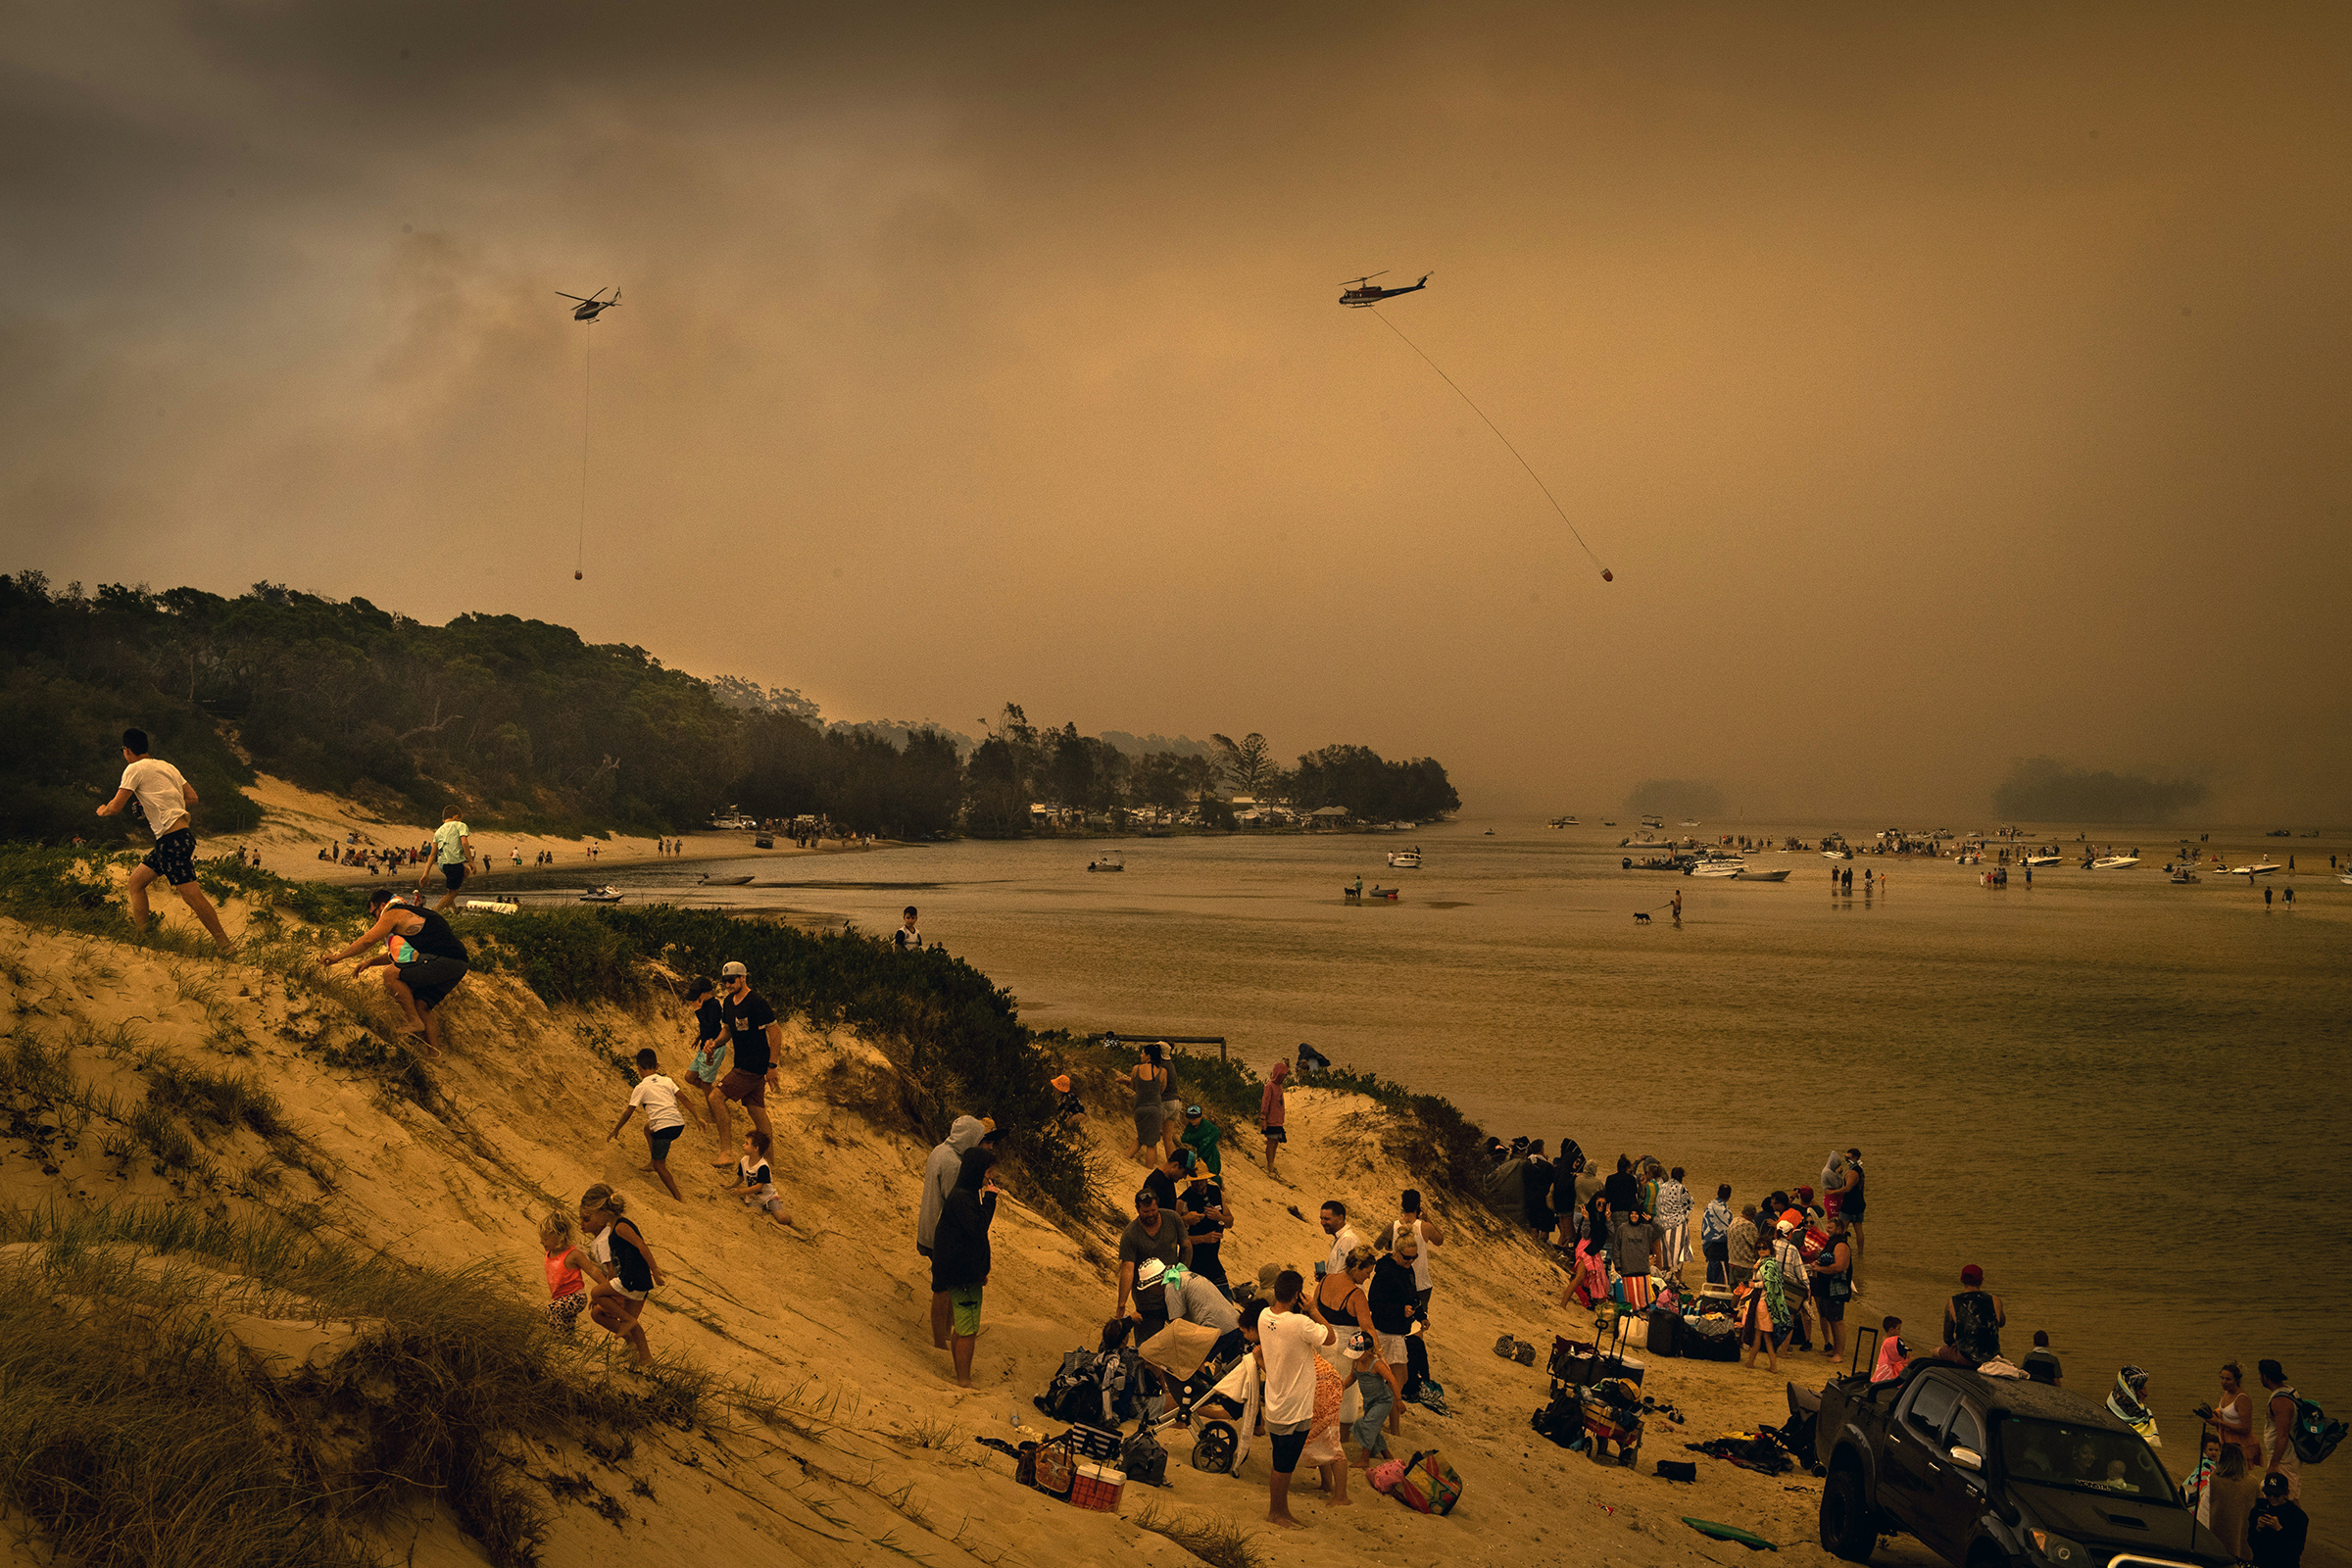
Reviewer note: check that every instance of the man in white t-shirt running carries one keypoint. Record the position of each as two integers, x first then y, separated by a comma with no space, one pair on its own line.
167,802
1287,1343
453,850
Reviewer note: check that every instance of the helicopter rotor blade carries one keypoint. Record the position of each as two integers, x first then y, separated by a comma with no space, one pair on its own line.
1366,278
560,294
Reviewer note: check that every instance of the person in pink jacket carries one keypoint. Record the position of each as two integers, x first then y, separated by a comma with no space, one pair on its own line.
1270,1112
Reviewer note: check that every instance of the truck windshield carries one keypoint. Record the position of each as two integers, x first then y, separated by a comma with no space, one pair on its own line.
2087,1458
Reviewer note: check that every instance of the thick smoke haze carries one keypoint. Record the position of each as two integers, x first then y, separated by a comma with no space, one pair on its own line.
1946,386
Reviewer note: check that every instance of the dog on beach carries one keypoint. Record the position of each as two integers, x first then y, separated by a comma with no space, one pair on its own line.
1640,917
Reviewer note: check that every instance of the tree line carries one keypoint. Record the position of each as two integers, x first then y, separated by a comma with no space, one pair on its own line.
524,725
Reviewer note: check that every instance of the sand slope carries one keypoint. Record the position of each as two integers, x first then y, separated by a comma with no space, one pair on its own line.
871,1454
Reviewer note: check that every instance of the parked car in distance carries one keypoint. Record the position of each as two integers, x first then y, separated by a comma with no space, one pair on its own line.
1993,1472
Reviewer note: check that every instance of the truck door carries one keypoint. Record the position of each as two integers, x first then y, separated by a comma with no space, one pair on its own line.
1957,1499
1913,1467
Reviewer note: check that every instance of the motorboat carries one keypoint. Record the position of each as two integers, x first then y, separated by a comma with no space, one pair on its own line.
1748,873
2044,859
1726,868
1406,860
723,881
2114,862
2261,867
603,894
2181,874
1107,863
1836,855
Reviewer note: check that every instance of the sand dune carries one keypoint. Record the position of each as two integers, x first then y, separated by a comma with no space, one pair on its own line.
870,1452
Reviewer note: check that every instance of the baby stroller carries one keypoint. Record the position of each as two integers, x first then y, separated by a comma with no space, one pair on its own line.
1218,1402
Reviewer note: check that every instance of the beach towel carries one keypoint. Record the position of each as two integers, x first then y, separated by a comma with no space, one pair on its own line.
1241,1386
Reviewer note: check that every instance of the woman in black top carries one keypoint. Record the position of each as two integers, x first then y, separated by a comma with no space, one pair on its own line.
426,958
1339,1300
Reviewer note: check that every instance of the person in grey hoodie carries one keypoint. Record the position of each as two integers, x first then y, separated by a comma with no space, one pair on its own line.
938,1179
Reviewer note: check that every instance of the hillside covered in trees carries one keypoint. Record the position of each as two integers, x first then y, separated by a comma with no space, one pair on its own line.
522,724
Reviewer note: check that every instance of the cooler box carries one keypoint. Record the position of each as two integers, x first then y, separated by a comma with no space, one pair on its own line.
1098,1487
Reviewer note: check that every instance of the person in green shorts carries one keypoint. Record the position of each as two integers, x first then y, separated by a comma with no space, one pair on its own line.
960,1254
452,852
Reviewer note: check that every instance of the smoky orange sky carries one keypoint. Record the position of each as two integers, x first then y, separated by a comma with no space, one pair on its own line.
1945,384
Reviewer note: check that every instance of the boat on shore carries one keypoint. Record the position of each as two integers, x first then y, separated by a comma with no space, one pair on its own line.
2045,859
1406,860
2182,874
1359,895
2114,862
603,894
2263,867
723,881
1715,865
1748,873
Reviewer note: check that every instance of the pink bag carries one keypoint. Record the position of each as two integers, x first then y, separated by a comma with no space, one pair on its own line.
1385,1475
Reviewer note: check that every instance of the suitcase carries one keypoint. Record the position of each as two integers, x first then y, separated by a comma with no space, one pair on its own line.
1573,1361
1665,1332
1710,1338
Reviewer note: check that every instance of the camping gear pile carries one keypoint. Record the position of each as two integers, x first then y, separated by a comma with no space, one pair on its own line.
1596,1398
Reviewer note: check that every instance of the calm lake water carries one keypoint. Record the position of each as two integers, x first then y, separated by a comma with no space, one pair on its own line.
2116,1095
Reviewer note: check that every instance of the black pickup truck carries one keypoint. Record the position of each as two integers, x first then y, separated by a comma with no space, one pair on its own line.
1997,1473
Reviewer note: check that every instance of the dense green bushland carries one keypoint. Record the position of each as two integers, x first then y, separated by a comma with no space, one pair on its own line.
521,725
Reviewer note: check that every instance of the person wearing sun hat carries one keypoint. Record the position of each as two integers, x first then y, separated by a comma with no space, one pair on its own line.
1973,1320
1201,1136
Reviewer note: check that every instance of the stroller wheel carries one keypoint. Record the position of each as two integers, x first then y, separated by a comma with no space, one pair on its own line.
1213,1446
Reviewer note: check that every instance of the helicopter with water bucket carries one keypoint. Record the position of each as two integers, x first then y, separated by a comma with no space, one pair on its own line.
593,306
1362,291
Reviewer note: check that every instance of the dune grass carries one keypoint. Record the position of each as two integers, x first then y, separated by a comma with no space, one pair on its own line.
1214,1539
131,1430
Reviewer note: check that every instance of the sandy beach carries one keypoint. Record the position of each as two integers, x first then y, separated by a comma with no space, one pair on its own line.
297,822
832,1316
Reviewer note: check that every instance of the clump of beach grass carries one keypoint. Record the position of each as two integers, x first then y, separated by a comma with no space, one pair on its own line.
133,1429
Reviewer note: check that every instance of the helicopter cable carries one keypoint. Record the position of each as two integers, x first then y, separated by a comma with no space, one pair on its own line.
587,382
1500,436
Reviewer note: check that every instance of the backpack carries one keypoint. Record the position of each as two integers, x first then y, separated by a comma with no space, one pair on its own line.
1428,1485
1143,1460
1075,1392
2314,1437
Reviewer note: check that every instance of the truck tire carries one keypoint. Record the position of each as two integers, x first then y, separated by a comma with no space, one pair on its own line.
1847,1527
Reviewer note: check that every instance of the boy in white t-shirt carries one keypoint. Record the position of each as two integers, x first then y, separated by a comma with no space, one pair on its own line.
663,1121
168,802
1287,1343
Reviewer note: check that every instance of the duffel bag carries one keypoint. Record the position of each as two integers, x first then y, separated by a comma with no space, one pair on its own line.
1430,1485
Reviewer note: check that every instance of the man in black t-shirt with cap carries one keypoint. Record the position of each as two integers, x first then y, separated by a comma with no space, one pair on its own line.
749,1026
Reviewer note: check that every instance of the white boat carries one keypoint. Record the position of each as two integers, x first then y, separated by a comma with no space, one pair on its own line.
2258,868
1748,873
2114,862
2344,877
603,894
1406,860
1690,821
1836,855
1729,865
2044,859
492,906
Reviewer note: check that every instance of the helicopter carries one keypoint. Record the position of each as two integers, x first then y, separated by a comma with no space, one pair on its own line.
592,307
1361,291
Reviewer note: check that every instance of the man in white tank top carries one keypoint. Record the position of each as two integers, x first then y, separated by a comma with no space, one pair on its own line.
2277,1427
